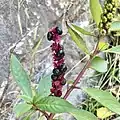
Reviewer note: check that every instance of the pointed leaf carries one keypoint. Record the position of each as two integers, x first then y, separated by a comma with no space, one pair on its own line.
103,45
81,30
115,26
20,76
105,98
83,115
103,113
115,50
22,108
99,64
96,10
54,105
26,98
78,40
45,85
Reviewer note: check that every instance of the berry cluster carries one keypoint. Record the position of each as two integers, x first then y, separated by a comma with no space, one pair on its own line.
109,11
58,60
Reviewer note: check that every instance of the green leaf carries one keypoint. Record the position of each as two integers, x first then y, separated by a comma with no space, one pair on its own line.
83,115
20,76
81,30
99,64
44,86
22,108
96,10
115,50
103,45
26,98
54,105
115,26
105,98
78,40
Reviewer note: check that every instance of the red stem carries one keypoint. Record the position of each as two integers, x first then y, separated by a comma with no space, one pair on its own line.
80,74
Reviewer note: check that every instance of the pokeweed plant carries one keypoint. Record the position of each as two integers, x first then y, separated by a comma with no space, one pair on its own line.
48,98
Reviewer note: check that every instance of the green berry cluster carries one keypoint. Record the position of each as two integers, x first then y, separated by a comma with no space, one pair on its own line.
109,12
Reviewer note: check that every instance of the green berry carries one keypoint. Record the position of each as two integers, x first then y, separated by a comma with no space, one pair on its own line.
109,6
114,11
110,16
105,11
103,32
100,25
108,25
104,19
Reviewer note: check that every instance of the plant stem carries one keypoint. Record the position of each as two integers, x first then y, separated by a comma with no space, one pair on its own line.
80,75
44,113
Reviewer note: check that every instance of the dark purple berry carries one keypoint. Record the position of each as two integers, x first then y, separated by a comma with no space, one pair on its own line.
63,82
56,71
60,53
58,93
49,36
63,68
53,77
59,31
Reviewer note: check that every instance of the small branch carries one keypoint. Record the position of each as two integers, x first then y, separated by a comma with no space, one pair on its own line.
44,113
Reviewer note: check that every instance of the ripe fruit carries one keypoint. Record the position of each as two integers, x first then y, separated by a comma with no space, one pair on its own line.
59,31
54,77
63,68
63,82
56,71
49,36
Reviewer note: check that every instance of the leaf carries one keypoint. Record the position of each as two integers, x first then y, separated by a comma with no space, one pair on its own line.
83,115
36,46
103,113
81,30
54,105
105,98
78,40
25,98
103,45
58,105
115,50
44,86
22,108
115,26
96,10
20,76
99,64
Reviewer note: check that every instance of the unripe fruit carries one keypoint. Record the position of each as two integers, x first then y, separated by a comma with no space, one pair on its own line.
108,25
59,31
49,36
100,25
109,6
58,93
110,16
105,11
104,19
103,32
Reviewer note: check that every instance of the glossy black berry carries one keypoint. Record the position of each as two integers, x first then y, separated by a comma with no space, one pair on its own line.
49,36
63,68
59,31
54,77
63,82
60,53
56,71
